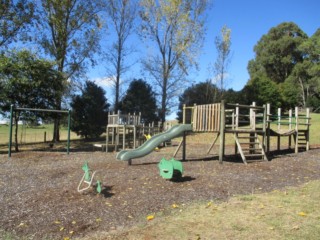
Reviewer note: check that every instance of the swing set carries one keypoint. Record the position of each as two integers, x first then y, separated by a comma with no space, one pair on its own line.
12,109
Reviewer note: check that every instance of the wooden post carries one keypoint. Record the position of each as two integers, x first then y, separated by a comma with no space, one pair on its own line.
222,131
268,127
134,136
253,127
296,149
107,138
290,128
45,137
279,127
308,129
184,146
184,114
264,128
124,137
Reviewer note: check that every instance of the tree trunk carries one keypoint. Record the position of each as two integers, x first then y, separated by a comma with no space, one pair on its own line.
56,126
302,92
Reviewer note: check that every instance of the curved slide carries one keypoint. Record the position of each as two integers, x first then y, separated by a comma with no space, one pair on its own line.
153,142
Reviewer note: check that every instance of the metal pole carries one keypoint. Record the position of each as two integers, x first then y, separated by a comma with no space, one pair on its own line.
69,125
10,130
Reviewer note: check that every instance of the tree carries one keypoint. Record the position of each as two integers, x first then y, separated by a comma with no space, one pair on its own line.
262,90
122,15
140,98
310,68
277,52
223,44
70,35
15,17
28,81
89,111
176,30
201,93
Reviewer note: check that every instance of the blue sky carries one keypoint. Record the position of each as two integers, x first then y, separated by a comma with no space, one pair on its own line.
248,20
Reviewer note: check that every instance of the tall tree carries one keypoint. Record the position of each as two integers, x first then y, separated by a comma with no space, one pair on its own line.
122,14
262,90
70,35
140,98
176,30
28,81
223,45
15,17
277,52
311,68
90,111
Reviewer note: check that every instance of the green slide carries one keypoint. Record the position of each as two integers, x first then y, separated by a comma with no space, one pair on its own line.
153,142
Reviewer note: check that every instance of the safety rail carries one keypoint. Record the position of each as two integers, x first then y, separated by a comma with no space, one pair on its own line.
124,119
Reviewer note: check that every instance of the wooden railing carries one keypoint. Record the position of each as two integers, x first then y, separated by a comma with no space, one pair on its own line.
124,119
204,118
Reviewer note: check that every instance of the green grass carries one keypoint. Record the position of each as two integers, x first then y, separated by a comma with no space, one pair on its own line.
33,134
287,214
314,129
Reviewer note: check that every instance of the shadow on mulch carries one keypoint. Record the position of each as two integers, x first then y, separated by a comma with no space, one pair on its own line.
183,179
105,192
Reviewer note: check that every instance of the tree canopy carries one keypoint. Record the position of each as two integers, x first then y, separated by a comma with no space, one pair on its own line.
140,98
122,15
89,111
288,61
277,52
28,81
223,46
175,30
201,93
15,17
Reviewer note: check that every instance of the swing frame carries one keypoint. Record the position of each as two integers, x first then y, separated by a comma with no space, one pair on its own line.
12,109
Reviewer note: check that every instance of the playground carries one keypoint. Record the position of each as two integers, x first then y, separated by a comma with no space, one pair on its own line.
223,156
40,200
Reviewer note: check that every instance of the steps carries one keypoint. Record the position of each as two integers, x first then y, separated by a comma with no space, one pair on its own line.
303,139
249,146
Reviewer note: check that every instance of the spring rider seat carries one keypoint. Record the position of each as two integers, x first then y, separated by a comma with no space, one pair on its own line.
170,169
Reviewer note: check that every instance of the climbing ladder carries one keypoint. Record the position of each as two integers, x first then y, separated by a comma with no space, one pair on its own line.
303,139
246,123
249,146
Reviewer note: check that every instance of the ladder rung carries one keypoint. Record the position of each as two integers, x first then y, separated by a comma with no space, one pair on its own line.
249,143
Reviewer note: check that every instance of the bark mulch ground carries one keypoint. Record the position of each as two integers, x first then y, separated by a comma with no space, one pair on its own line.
39,198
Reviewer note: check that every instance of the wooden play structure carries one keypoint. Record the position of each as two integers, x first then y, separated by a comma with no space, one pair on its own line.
250,126
127,130
294,126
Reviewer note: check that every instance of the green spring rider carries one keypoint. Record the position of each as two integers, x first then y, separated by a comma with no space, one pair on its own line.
87,179
170,169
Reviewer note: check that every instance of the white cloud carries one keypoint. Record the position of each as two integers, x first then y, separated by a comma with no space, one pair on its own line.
104,81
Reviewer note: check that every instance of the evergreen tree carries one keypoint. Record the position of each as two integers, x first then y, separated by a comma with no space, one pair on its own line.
140,98
277,52
89,111
288,60
201,93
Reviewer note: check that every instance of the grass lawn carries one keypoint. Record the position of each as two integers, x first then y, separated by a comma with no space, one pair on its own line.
282,214
33,134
